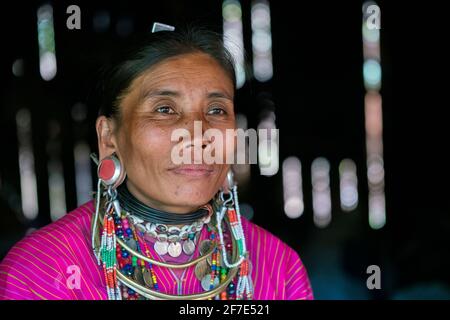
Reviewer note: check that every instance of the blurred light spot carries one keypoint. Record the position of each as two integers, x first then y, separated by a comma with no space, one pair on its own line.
348,183
262,68
320,179
372,74
101,21
47,66
373,114
377,210
56,183
373,122
260,15
231,10
57,192
18,68
233,37
372,35
375,170
268,156
268,152
46,40
79,112
261,41
28,183
292,187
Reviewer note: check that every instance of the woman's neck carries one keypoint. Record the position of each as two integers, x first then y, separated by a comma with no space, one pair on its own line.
157,204
158,214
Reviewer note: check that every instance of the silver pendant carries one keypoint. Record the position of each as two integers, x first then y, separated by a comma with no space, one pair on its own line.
188,247
174,249
141,228
205,246
161,248
135,220
147,275
131,243
206,282
202,269
138,276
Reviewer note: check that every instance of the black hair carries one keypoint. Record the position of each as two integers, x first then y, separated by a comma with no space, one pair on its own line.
155,48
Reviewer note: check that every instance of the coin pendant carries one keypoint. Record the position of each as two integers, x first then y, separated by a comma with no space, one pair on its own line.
141,228
132,244
188,247
206,282
175,249
202,269
138,276
161,248
147,275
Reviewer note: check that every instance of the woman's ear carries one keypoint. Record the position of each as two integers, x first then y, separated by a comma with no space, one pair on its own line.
105,137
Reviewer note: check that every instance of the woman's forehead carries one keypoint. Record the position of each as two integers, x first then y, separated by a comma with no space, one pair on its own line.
183,72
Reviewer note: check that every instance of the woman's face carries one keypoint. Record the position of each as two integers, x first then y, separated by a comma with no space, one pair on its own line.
171,95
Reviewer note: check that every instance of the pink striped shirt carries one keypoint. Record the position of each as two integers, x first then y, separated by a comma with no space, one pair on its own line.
56,262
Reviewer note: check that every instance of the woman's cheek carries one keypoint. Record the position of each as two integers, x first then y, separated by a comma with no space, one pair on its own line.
155,142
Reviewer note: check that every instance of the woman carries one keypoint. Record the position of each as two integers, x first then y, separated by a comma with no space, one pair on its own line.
159,230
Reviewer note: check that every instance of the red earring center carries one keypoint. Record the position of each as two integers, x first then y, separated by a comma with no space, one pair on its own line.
107,169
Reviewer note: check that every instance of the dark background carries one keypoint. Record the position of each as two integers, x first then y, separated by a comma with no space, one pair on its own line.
318,96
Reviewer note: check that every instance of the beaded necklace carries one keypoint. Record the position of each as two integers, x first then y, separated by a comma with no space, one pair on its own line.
124,252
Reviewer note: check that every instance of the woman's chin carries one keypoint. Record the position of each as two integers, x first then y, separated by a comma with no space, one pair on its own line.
193,182
193,198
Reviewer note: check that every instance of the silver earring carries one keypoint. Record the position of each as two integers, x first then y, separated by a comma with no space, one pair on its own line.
111,171
111,174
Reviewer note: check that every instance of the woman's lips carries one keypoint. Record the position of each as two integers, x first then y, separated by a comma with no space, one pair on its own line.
193,170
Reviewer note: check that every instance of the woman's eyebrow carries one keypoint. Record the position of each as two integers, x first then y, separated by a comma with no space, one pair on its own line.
161,92
170,93
219,94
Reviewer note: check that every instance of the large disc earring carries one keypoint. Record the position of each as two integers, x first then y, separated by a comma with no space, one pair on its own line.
111,174
111,171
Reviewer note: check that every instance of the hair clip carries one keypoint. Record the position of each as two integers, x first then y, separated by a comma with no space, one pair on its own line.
157,26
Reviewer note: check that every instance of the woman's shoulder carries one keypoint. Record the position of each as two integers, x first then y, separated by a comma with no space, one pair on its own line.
267,248
37,265
257,236
274,263
56,238
75,223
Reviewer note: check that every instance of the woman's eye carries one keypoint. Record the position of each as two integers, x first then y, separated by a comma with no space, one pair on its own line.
217,110
165,109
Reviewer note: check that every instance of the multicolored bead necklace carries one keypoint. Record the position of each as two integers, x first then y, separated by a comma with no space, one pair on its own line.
212,270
